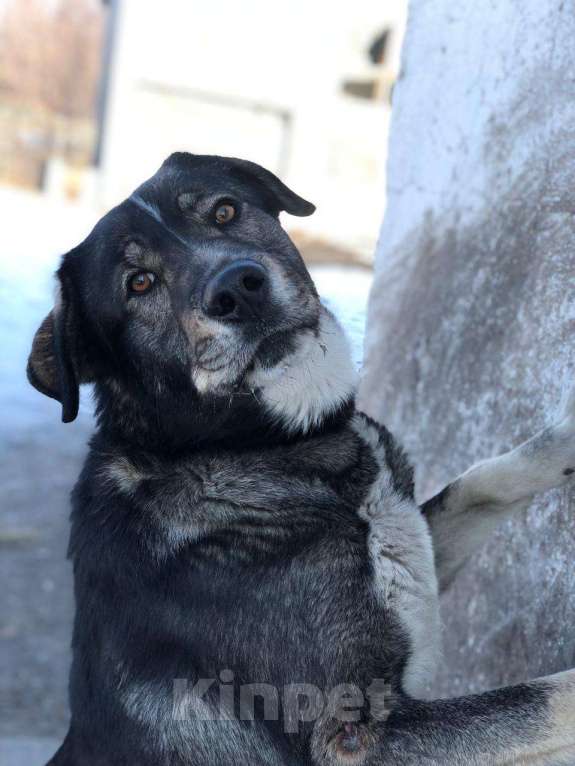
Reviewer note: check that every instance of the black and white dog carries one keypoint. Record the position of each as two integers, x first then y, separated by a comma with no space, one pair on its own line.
255,583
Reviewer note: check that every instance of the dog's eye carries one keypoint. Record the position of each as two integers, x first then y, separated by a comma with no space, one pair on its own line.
225,212
141,282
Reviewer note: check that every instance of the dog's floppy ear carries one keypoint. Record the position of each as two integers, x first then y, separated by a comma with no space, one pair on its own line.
280,196
55,365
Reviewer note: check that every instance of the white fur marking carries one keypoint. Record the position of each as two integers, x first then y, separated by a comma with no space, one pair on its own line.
154,211
404,571
123,474
310,383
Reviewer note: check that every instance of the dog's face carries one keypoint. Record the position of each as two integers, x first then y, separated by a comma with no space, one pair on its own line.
192,311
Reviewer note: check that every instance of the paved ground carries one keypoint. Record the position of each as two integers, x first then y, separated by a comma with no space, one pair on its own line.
38,469
27,751
39,461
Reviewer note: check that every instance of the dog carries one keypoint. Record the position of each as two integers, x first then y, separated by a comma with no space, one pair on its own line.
254,580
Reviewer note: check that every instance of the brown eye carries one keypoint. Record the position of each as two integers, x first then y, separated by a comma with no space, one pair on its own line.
142,282
225,212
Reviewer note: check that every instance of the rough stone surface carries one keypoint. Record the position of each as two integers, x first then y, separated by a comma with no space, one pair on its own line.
471,340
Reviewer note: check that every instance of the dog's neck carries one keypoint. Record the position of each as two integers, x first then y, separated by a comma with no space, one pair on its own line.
311,383
309,391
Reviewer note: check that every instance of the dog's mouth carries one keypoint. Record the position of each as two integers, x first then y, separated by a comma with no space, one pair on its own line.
225,364
215,364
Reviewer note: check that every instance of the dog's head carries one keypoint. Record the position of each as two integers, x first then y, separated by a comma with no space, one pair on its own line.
193,313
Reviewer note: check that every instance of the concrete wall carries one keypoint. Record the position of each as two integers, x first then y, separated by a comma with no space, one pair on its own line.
472,317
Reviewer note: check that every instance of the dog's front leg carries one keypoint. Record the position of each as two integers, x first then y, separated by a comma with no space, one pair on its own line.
462,516
531,724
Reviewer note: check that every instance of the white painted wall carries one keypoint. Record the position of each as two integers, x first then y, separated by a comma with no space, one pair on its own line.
471,340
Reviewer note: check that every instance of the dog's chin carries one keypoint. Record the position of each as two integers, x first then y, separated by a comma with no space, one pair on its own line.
227,369
224,378
305,376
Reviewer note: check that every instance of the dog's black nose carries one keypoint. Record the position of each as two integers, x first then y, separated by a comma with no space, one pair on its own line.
239,291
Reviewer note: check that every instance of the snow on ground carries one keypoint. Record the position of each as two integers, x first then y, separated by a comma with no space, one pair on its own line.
344,290
35,232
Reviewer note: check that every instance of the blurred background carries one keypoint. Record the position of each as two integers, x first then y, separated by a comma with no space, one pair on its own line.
93,96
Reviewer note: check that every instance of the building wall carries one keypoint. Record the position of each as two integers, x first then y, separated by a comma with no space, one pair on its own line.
258,81
472,318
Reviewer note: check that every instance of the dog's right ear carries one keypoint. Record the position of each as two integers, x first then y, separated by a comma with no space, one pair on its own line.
55,365
280,196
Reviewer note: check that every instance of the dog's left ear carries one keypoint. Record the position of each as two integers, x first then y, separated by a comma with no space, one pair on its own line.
56,365
280,196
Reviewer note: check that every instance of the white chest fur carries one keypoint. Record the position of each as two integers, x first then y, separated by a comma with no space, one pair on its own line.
404,572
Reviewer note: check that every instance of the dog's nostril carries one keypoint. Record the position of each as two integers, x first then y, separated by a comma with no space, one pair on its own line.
224,304
252,283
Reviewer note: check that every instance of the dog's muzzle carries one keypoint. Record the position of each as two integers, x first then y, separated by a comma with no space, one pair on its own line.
239,292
